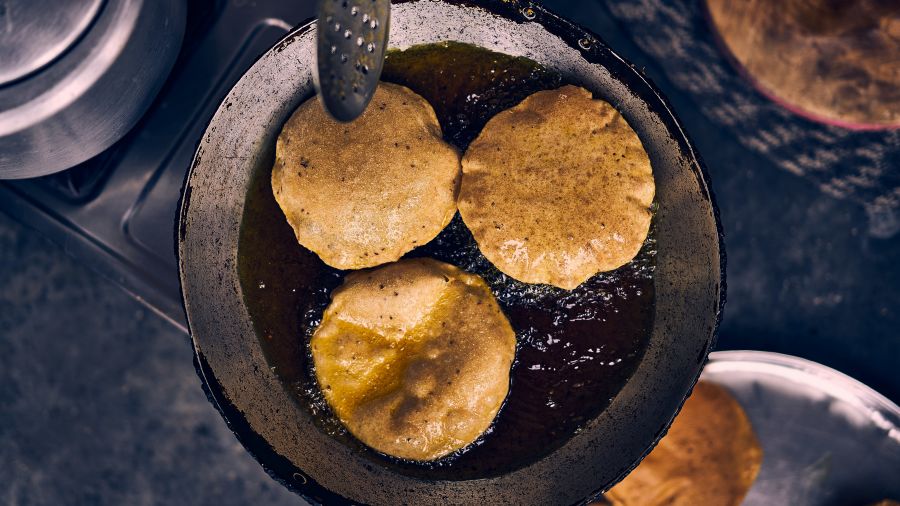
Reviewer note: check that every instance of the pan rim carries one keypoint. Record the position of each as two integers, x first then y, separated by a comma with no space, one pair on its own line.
235,418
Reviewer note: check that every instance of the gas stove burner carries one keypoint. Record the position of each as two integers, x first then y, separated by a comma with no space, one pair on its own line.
37,39
76,76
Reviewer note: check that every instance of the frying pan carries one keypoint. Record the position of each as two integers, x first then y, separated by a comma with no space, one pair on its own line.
689,274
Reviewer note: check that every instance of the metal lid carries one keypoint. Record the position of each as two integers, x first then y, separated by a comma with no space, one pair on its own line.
77,75
35,32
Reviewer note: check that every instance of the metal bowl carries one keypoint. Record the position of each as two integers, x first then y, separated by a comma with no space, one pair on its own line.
826,438
689,274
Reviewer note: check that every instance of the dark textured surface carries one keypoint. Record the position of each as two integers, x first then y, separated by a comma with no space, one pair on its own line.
99,401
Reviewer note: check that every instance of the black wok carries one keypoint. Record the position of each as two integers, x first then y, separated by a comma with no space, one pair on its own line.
689,278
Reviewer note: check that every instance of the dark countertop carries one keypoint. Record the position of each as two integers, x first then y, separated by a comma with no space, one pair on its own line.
99,402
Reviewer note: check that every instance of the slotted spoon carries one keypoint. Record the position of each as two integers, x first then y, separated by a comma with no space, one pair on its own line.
352,37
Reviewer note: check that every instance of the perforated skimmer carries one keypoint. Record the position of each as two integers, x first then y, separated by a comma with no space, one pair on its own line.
352,37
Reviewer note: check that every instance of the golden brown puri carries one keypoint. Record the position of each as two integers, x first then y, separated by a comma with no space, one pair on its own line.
834,59
709,456
557,189
414,357
364,193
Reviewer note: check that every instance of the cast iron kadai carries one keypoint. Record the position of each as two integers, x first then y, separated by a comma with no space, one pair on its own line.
689,273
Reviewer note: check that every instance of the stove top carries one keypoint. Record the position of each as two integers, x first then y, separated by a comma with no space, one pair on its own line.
116,212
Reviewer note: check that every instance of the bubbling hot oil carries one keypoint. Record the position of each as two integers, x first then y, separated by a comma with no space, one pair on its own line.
576,349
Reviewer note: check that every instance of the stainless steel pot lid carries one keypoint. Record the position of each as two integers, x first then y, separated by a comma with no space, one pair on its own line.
77,75
35,32
826,438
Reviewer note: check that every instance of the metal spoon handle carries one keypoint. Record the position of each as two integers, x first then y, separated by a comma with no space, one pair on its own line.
352,38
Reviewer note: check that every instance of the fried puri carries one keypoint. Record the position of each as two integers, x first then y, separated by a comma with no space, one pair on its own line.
709,456
414,357
364,193
557,189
